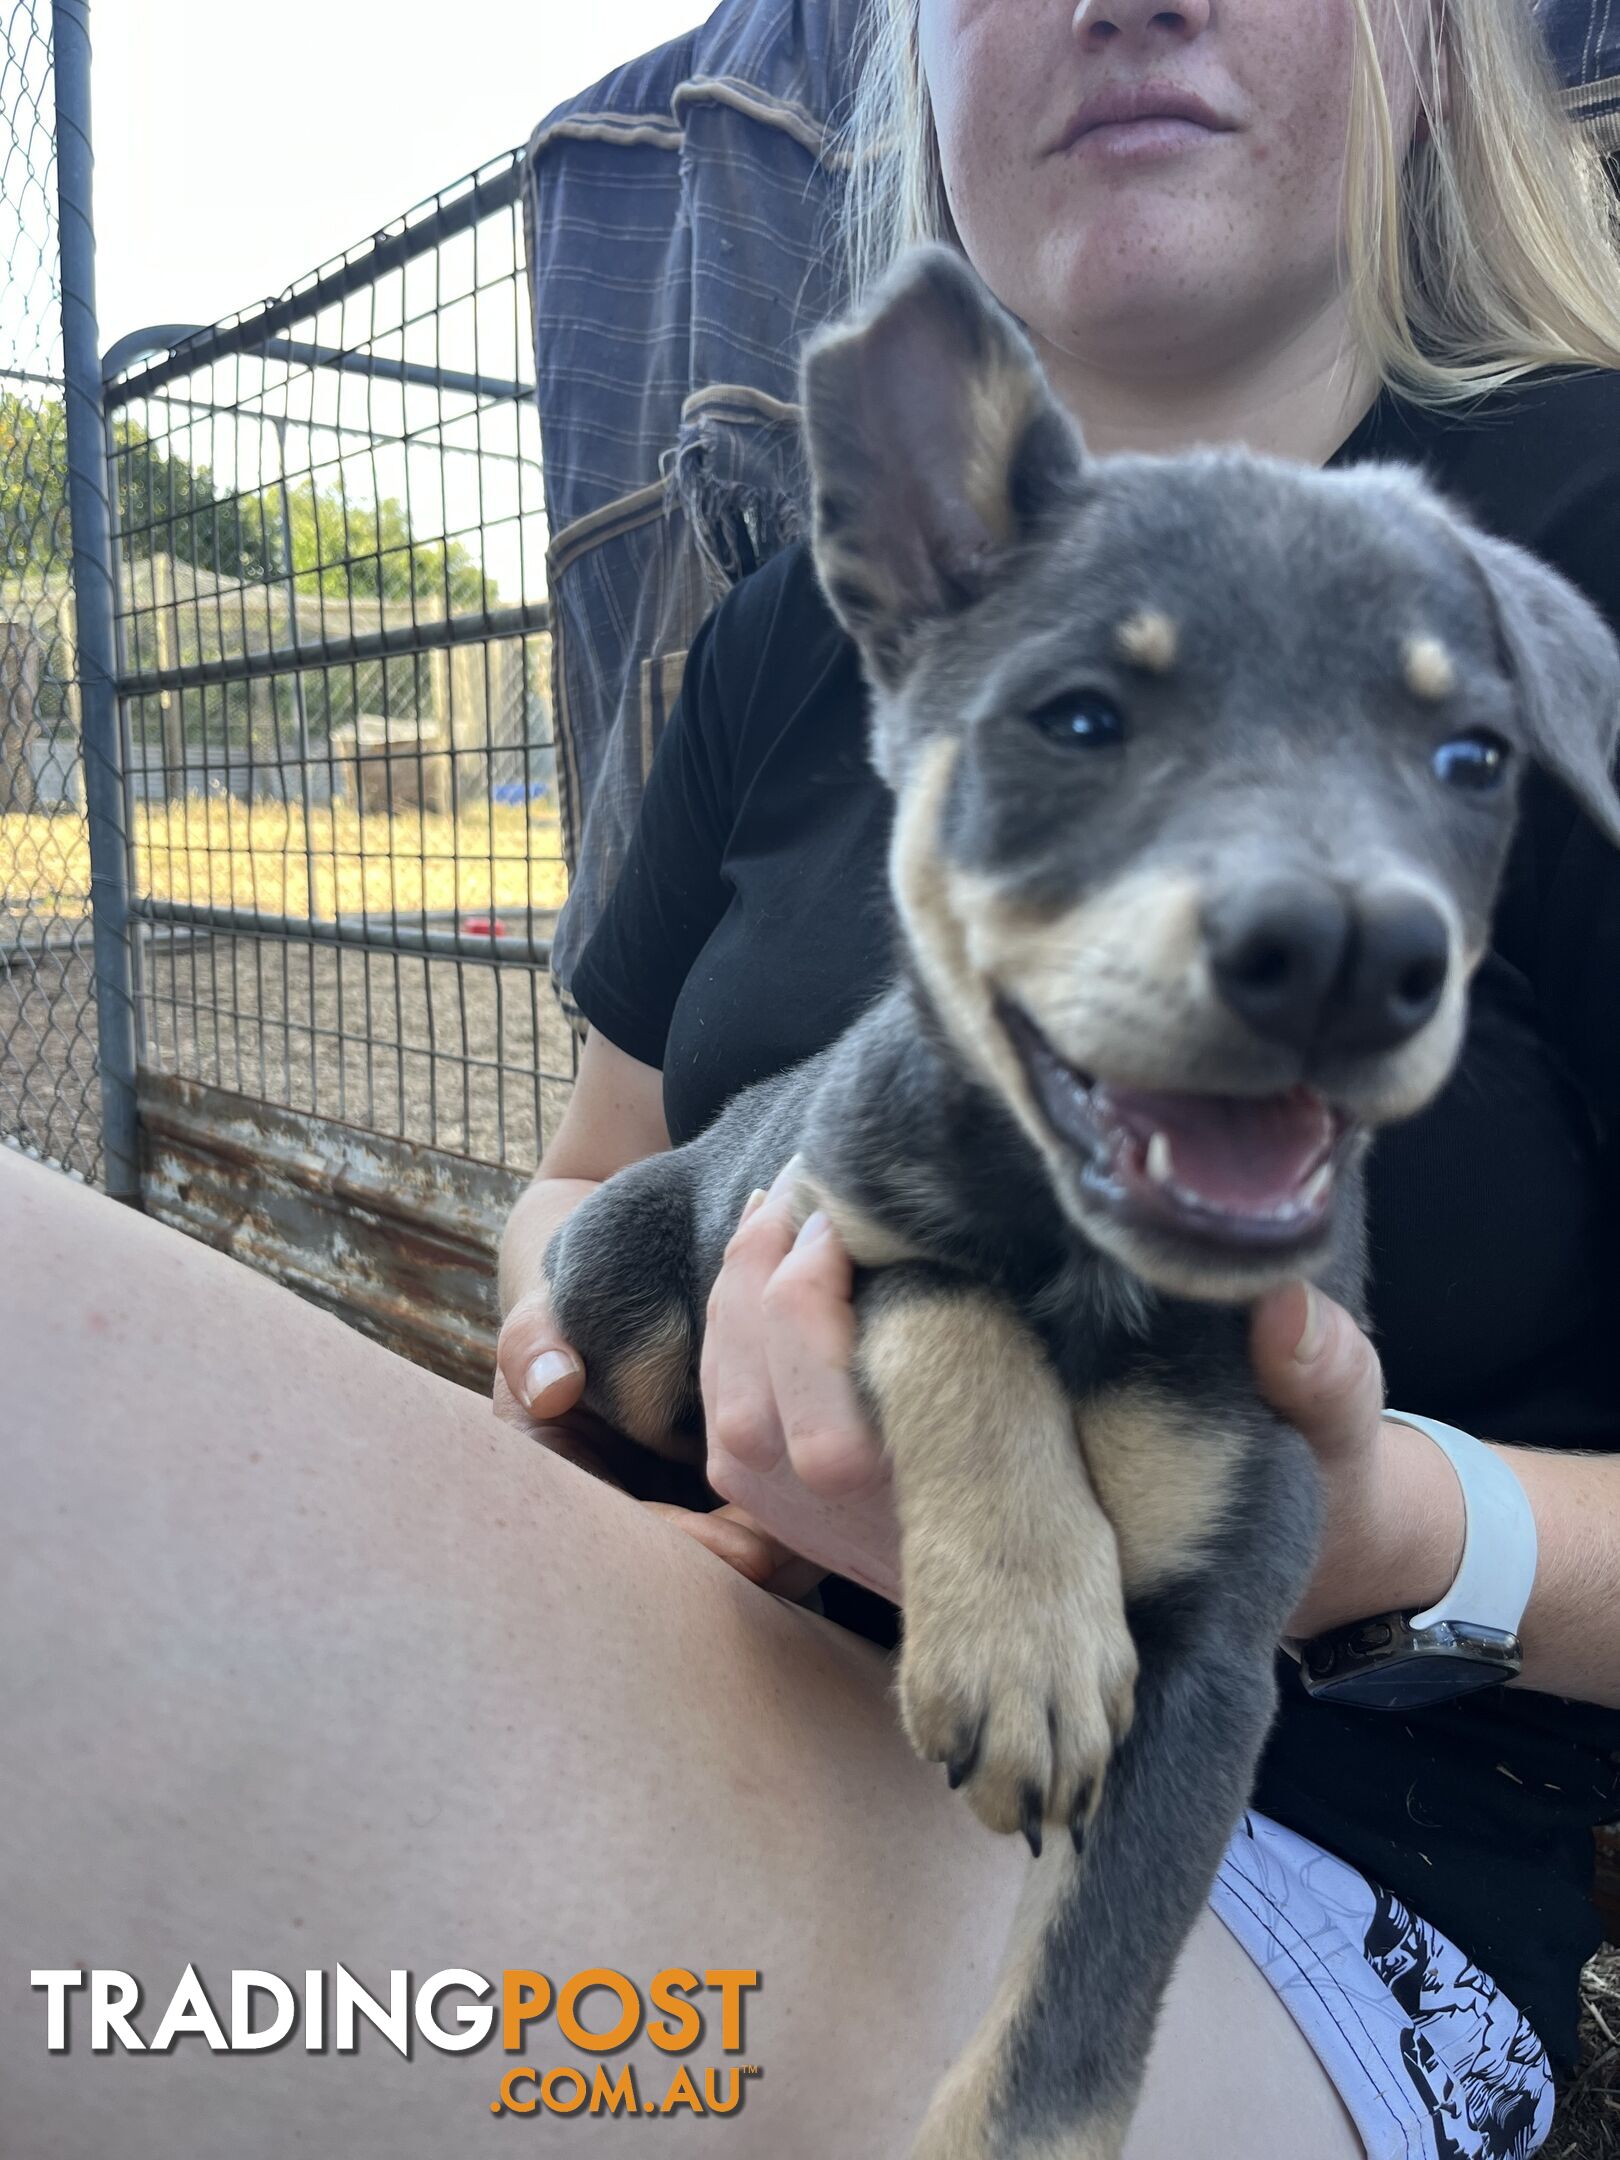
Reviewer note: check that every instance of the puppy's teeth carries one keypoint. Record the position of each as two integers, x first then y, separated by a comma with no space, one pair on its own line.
1319,1186
1159,1165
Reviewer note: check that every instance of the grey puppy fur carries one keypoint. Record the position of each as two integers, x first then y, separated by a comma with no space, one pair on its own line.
1205,772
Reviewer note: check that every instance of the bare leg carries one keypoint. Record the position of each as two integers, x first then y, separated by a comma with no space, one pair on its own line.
1230,2074
308,1660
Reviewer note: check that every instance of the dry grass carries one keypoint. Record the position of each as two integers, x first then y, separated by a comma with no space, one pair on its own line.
1588,2125
209,852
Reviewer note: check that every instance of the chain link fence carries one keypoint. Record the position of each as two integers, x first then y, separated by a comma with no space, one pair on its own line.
50,1101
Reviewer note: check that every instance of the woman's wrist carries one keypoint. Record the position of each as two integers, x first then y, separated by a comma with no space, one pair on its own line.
530,1227
1399,1529
1428,1515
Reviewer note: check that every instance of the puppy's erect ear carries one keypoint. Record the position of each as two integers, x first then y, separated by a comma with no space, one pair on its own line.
935,448
1567,666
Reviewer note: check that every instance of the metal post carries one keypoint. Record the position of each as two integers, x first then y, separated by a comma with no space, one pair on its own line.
95,600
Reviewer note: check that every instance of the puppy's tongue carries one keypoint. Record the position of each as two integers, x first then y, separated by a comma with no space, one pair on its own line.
1237,1155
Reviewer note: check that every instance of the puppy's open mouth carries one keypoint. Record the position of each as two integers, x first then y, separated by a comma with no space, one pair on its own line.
1254,1172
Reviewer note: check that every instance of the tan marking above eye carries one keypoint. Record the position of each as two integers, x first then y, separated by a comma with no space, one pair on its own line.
1428,667
1148,639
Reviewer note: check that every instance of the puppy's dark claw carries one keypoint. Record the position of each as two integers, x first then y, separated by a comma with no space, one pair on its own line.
1079,1820
962,1766
1030,1813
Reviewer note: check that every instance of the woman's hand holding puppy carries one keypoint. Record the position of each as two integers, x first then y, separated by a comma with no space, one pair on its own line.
779,1405
790,1443
1393,1516
803,1473
807,1489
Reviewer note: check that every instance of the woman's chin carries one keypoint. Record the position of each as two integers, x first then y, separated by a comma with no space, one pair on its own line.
1139,329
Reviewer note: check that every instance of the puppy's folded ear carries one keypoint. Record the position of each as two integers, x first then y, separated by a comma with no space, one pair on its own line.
936,448
1565,661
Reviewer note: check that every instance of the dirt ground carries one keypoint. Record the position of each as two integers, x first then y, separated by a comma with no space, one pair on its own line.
455,1054
1588,2124
50,1100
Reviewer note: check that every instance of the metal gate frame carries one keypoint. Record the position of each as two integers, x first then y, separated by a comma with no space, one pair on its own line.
93,573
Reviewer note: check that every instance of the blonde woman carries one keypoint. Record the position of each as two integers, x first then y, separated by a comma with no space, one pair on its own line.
365,1678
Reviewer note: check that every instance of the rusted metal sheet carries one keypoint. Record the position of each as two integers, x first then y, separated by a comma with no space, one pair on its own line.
396,1238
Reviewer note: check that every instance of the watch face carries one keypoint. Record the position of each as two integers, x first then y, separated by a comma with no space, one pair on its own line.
1408,1683
1382,1664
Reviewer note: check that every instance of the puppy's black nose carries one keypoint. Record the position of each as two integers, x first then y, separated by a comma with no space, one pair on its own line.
1399,954
1275,950
1303,964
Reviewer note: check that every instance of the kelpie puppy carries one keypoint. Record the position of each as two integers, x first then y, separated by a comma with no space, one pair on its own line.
1205,771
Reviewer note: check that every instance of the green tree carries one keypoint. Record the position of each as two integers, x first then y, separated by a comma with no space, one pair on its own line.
166,506
33,485
350,550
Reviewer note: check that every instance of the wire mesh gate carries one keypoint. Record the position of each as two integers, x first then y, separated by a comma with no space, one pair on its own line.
334,666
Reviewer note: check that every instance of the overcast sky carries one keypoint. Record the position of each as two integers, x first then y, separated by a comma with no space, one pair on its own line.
238,146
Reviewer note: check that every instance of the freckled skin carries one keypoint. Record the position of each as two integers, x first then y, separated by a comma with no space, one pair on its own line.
1176,266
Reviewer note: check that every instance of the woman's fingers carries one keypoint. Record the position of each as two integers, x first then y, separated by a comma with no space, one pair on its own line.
735,1537
543,1374
507,1407
1319,1369
739,1403
810,1345
787,1436
858,1538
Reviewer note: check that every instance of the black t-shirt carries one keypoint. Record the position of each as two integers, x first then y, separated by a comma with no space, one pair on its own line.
752,923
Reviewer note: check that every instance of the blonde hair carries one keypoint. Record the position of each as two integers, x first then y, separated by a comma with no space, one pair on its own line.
1488,251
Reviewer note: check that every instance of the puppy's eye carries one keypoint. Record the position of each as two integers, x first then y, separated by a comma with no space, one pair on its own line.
1080,720
1477,760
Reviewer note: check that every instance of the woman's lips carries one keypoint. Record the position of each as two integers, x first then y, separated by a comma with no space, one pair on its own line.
1155,135
1140,120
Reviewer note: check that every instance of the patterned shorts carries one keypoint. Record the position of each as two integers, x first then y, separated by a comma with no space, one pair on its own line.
1432,2061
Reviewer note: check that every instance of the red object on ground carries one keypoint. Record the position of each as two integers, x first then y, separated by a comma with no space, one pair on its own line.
483,926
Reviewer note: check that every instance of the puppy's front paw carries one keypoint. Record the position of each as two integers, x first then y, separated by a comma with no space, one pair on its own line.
1018,1671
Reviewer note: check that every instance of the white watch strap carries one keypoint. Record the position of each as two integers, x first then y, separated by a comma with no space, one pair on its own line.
1493,1584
